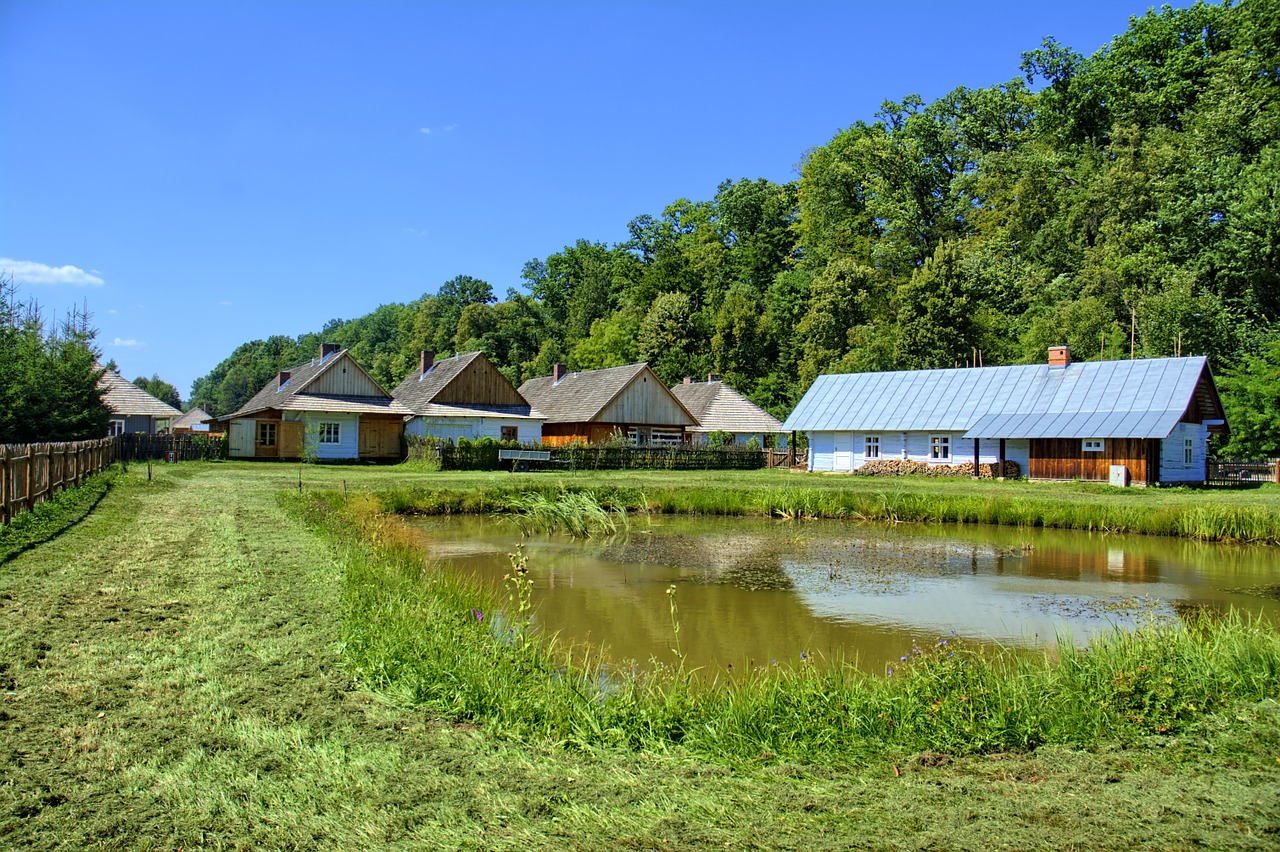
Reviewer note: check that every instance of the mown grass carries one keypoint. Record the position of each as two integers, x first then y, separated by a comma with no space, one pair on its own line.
1205,515
53,517
475,664
175,673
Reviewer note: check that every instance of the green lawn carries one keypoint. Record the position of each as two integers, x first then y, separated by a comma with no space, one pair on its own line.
173,677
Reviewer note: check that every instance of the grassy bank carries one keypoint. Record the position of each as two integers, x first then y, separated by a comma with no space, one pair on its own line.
479,664
1209,515
178,671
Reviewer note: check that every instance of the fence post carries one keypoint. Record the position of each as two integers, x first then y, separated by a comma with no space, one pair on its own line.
5,496
1277,466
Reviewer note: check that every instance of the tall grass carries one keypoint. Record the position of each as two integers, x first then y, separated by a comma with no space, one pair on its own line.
426,636
578,513
1205,520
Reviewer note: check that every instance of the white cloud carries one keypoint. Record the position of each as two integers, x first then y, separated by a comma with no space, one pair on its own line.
450,126
112,311
225,303
425,131
30,272
127,343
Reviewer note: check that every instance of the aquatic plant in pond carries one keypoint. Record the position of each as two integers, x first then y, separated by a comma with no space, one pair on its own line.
578,513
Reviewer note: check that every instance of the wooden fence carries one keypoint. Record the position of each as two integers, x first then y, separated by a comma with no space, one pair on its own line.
1240,472
33,473
142,447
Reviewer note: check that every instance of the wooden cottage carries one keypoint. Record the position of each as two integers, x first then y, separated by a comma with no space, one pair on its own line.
197,421
466,396
593,406
329,403
719,408
133,409
1060,420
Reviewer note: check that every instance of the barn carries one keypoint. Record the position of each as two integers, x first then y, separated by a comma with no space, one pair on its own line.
133,409
1061,420
329,405
594,405
466,396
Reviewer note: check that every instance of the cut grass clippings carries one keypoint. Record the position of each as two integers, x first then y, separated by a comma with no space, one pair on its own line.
174,675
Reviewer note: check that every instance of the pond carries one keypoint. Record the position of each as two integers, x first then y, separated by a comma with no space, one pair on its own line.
754,592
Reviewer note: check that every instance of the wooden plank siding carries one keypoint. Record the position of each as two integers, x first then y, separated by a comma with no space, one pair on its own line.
479,383
645,402
380,436
345,379
1065,458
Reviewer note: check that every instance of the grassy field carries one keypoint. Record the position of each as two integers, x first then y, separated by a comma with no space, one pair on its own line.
174,676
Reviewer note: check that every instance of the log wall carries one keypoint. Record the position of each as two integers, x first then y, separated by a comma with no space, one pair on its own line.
1065,458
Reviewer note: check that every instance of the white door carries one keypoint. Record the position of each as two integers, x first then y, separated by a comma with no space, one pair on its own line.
240,439
843,451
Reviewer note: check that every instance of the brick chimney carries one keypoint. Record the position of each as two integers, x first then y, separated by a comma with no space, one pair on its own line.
688,380
1059,356
712,377
558,372
425,361
327,349
283,377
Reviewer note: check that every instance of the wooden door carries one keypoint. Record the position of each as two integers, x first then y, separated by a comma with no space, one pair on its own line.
379,439
291,439
241,439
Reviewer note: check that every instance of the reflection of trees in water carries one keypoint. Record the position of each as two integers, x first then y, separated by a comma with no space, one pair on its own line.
747,561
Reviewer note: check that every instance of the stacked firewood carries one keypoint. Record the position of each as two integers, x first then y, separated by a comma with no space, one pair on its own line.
908,467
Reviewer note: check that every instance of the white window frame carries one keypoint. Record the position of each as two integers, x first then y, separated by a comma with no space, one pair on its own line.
939,448
1188,451
665,437
115,428
871,447
509,433
1093,445
330,433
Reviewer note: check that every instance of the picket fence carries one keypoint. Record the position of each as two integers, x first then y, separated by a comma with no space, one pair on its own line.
33,473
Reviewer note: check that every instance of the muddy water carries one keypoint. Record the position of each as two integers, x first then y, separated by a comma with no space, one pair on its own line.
751,592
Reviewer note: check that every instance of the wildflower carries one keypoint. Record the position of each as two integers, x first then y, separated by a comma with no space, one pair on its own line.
902,659
890,669
953,633
478,615
803,656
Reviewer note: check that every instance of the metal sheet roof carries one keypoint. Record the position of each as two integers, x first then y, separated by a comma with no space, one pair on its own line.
1092,399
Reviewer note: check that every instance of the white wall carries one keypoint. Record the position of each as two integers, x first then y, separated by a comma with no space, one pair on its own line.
1172,458
348,446
847,450
473,428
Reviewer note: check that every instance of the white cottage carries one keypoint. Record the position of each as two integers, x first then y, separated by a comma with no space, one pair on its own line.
1060,420
329,405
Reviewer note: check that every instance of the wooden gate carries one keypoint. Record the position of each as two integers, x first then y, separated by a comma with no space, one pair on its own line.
291,439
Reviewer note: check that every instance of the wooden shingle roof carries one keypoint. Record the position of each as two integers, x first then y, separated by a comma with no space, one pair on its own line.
421,392
292,395
194,417
125,398
581,397
719,408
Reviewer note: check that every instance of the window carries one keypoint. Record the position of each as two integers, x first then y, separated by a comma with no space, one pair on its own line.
1188,451
115,428
1093,445
666,437
636,437
510,433
872,450
330,433
266,433
940,448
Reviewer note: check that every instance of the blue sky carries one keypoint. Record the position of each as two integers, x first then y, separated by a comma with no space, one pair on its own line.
205,174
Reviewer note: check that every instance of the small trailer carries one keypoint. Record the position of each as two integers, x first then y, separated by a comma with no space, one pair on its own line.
520,458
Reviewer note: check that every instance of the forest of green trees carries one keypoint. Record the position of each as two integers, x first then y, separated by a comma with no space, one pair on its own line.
1124,201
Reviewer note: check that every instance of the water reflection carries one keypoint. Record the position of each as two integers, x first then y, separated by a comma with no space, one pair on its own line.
752,592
